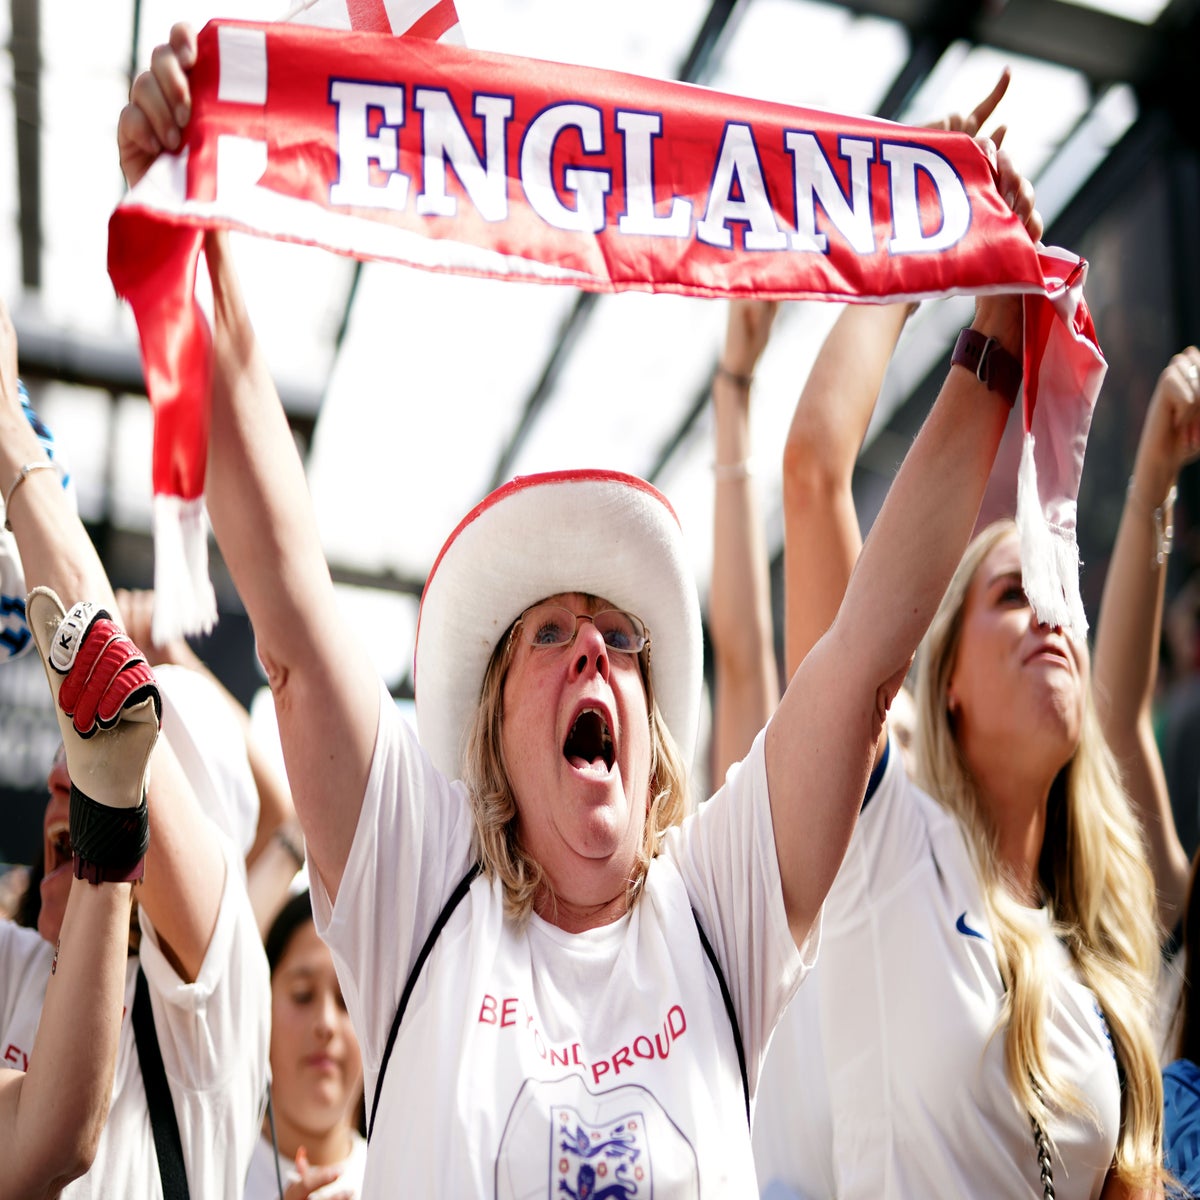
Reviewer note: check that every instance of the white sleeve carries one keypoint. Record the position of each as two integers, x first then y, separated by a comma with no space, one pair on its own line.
726,855
205,1027
410,849
890,842
25,958
214,1035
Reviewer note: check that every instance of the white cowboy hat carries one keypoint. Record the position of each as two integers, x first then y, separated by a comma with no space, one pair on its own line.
600,532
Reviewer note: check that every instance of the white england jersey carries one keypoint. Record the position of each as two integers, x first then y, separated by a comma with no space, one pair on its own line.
534,1062
213,1034
884,1081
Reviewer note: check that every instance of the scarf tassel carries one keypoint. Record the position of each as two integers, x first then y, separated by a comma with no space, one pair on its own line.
184,600
1049,555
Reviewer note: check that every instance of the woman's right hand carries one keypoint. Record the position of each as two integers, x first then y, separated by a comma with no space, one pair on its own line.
1171,432
312,1179
160,105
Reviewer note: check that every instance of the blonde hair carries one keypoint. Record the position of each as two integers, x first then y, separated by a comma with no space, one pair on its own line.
494,807
1101,893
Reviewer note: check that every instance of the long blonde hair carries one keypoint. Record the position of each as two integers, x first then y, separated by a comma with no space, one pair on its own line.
497,836
1101,893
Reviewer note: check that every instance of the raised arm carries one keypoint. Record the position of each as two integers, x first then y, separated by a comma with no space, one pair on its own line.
821,740
326,691
822,539
746,679
182,889
821,534
1125,663
275,810
51,1116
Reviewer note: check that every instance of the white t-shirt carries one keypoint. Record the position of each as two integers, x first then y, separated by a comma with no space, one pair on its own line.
214,1035
262,1183
884,1080
534,1062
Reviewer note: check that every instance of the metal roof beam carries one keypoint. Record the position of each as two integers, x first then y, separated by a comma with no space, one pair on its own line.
115,365
1104,47
27,105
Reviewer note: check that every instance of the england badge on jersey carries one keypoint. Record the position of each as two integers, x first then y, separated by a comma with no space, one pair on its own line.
609,1159
564,1142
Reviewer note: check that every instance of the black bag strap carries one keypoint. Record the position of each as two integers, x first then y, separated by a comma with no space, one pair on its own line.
448,908
167,1144
456,898
729,1011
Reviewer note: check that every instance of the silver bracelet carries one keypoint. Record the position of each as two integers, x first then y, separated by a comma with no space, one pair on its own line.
727,472
1164,525
23,474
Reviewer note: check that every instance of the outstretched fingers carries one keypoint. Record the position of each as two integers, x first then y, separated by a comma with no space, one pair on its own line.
973,122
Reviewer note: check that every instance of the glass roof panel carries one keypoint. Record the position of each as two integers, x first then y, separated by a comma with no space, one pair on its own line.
622,35
797,52
298,296
80,419
428,387
634,373
1043,103
1145,12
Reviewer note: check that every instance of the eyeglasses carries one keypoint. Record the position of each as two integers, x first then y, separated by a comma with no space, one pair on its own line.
546,625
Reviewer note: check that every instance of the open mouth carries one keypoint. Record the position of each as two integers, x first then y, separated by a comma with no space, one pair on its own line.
58,846
589,745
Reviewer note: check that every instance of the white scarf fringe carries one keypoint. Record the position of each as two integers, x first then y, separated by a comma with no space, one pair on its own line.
184,601
1049,555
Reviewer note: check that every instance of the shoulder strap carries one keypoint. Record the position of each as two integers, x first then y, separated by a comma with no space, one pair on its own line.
167,1144
448,908
729,1010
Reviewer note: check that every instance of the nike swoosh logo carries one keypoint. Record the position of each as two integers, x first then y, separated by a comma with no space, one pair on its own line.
963,928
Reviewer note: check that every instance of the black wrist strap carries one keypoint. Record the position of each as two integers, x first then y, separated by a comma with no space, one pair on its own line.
108,842
167,1144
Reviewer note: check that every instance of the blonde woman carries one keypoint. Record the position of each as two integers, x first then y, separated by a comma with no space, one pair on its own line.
979,1024
1009,742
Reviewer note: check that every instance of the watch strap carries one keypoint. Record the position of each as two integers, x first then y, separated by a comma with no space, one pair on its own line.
989,362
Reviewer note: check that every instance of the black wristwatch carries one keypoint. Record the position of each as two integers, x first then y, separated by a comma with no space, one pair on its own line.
989,362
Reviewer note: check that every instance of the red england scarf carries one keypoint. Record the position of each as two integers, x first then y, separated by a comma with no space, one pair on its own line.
437,156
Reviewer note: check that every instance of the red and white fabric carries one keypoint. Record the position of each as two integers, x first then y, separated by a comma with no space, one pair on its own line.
441,157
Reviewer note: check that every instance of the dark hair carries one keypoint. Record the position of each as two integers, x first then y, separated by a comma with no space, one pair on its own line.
29,905
296,912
